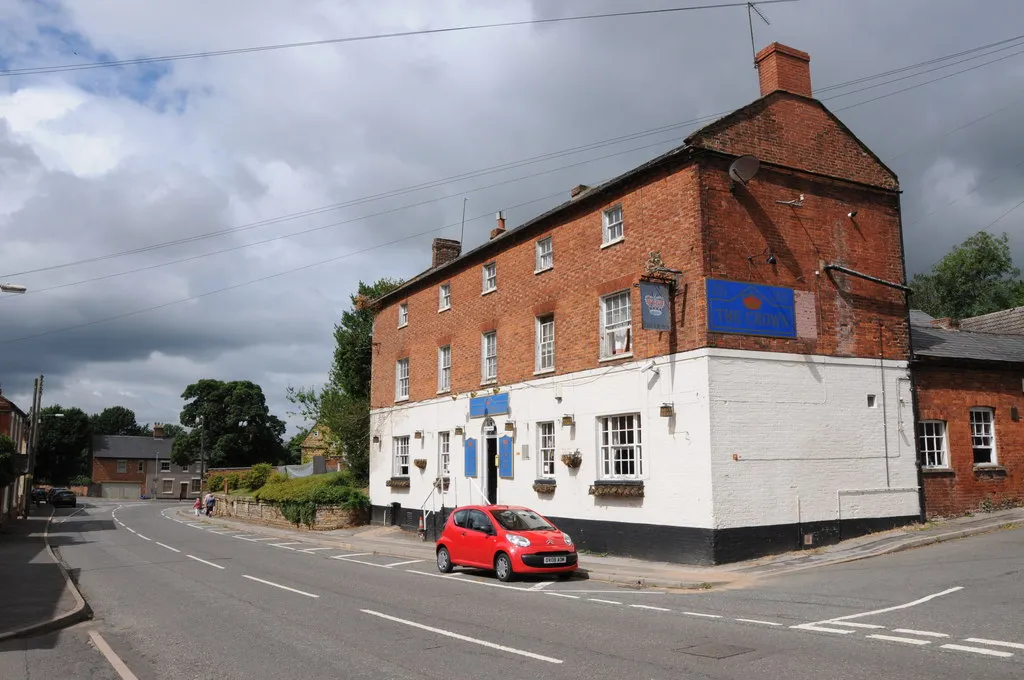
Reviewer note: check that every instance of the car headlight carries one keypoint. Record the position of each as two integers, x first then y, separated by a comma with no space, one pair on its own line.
516,539
567,538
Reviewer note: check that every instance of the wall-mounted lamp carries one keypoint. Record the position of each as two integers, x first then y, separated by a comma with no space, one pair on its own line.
459,430
376,439
510,426
418,434
568,420
771,258
851,214
667,410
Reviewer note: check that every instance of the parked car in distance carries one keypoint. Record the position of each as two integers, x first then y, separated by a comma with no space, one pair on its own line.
63,497
507,539
53,490
38,496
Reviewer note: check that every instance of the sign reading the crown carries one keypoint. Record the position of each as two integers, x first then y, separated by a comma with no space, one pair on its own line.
750,309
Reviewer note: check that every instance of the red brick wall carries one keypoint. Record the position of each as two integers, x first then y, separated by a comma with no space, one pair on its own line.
105,470
948,394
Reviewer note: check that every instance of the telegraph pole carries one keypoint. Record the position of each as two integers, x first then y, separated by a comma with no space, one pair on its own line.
33,439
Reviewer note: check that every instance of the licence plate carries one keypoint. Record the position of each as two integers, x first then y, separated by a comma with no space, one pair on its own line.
560,559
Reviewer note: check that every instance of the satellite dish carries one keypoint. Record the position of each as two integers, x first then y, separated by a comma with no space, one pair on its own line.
744,168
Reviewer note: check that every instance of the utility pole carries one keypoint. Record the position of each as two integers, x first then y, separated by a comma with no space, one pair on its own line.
202,449
33,439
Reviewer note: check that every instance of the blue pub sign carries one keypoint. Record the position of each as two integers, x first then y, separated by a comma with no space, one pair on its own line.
750,309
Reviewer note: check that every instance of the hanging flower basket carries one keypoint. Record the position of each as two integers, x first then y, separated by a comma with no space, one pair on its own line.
421,463
442,483
572,460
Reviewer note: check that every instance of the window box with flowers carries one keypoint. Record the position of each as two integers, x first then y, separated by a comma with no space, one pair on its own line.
544,486
398,482
622,488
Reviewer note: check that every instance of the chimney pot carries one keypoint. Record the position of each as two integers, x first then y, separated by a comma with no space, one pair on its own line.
577,190
500,229
158,431
783,68
444,250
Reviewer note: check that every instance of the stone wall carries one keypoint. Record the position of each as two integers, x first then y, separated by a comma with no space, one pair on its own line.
328,518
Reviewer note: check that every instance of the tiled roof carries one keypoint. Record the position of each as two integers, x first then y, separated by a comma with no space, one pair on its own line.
115,446
930,341
1007,322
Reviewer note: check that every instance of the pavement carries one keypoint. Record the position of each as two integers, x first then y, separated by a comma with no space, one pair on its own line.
176,599
37,594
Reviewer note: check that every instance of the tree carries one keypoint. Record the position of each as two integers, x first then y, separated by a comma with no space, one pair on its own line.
343,404
231,421
172,430
294,446
977,277
8,462
65,445
116,420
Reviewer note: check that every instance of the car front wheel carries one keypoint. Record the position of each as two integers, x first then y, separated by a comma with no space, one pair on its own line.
503,567
444,560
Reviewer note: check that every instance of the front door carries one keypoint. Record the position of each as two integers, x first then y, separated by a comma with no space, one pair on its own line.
183,491
492,469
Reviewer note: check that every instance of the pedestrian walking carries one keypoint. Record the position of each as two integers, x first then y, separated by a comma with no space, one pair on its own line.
198,506
210,500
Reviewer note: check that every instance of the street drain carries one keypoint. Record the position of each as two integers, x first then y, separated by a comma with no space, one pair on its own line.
715,650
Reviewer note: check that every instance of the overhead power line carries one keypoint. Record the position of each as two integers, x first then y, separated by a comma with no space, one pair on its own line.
378,36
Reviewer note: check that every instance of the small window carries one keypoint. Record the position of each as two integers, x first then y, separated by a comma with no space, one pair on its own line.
184,468
545,254
612,219
545,359
403,314
401,379
621,451
122,467
444,368
401,453
490,277
983,435
444,295
546,449
444,440
932,436
489,356
616,325
165,466
197,485
872,402
141,467
167,486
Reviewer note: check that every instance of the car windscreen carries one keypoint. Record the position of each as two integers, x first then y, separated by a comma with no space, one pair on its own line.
521,520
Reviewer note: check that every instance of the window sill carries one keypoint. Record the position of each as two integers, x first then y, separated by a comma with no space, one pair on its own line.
545,269
445,391
990,469
544,371
616,357
488,292
937,471
443,309
609,244
399,400
492,381
403,325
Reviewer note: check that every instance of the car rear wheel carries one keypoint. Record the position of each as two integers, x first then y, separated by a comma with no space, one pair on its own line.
503,568
444,560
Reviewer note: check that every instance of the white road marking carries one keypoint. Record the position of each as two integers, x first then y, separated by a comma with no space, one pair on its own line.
464,638
851,624
265,538
907,605
995,643
132,530
120,522
220,531
341,557
594,599
822,629
70,516
759,621
143,537
706,616
193,557
313,550
463,580
399,564
193,525
284,545
162,545
573,597
541,586
278,585
617,592
112,658
978,650
925,633
893,638
644,606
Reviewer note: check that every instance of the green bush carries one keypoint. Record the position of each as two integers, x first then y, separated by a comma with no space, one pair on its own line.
80,480
299,498
215,482
259,476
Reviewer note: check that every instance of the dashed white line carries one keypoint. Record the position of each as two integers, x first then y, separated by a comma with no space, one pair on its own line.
851,624
759,621
112,658
278,585
193,525
144,538
463,580
464,638
399,564
706,616
342,557
132,530
571,597
283,545
978,650
904,640
995,643
925,633
822,629
164,545
265,538
541,586
594,599
310,551
644,606
193,557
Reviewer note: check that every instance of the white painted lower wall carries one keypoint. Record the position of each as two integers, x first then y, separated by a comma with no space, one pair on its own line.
757,439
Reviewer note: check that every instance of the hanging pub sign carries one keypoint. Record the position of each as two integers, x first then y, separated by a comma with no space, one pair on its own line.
655,308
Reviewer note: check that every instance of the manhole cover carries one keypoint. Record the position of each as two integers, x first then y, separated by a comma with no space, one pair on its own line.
715,650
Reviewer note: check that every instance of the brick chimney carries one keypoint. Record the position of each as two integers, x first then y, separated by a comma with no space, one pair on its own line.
500,229
158,431
444,250
577,190
784,68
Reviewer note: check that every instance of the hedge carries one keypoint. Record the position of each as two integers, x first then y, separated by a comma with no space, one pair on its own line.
299,497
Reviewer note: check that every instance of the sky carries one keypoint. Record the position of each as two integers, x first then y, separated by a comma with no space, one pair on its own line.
282,178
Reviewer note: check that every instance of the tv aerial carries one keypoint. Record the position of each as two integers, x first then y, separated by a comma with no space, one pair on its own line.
743,169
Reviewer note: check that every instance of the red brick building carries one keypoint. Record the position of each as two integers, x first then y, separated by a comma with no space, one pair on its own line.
970,392
15,424
132,467
725,355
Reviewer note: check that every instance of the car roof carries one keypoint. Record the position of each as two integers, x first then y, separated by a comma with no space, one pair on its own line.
494,508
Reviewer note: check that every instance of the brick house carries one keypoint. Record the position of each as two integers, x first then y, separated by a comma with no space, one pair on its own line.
132,467
676,364
969,397
15,424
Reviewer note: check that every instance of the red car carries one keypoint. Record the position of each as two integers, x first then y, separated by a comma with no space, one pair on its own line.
510,540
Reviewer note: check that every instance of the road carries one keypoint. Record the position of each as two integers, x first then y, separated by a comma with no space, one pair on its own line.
178,599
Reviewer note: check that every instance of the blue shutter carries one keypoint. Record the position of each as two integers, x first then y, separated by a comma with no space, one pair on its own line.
505,457
470,457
